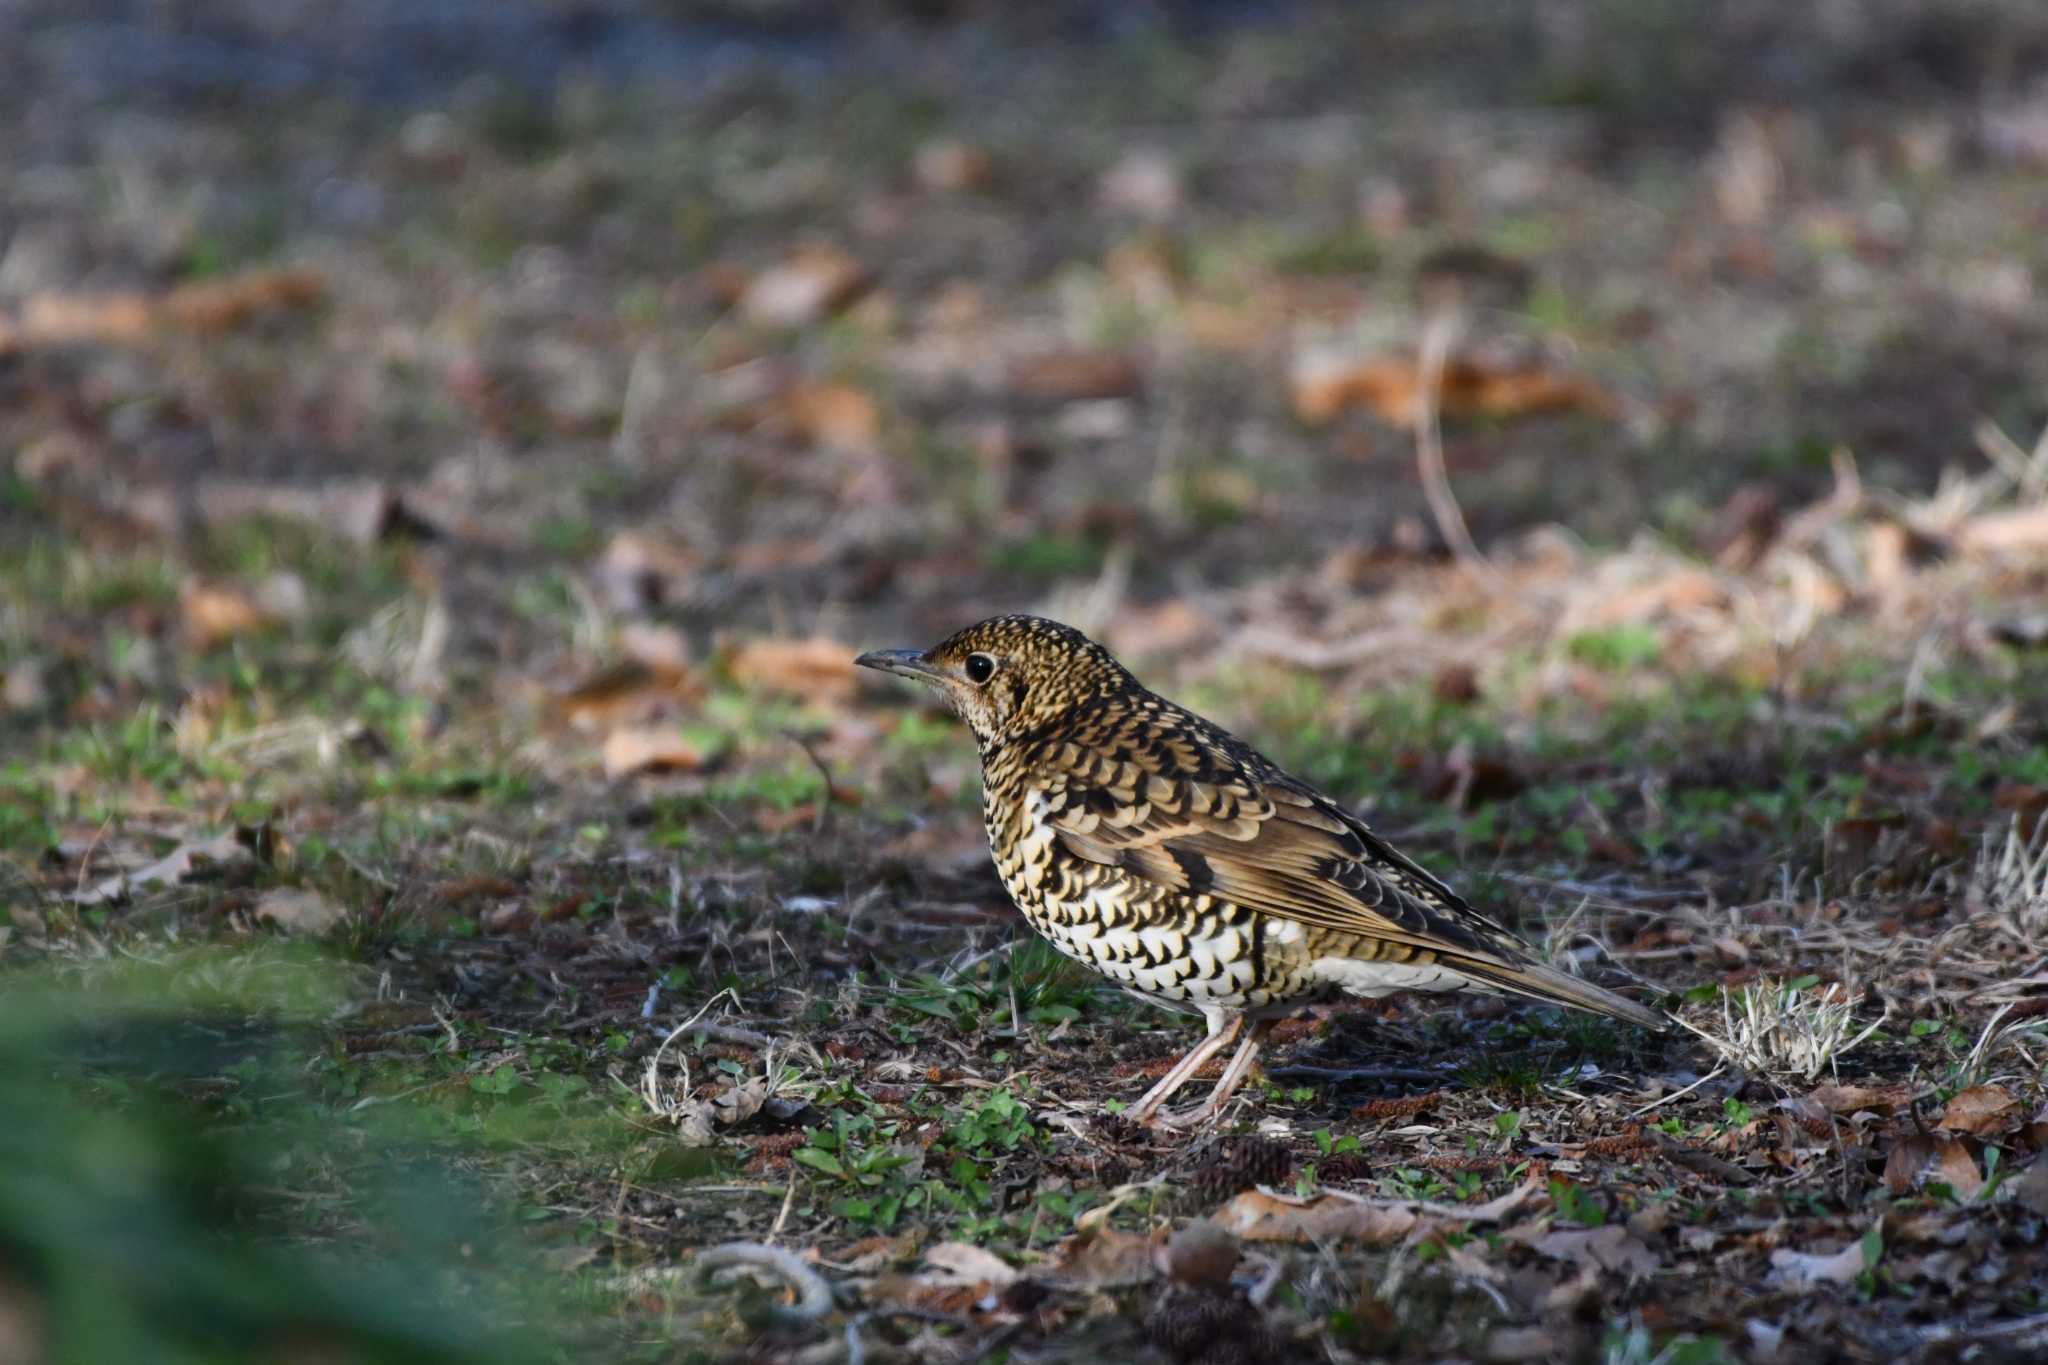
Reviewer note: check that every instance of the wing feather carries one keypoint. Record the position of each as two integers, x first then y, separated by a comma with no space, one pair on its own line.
1217,817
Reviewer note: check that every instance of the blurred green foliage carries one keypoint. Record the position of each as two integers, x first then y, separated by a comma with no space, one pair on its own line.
171,1191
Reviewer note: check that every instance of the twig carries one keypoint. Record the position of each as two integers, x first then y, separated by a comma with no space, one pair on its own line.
1355,1073
831,790
1437,338
1943,1333
1676,1094
813,1295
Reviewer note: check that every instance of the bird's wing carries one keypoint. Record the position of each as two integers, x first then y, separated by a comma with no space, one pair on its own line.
1163,795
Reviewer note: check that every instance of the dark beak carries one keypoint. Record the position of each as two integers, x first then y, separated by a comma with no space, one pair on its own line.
910,663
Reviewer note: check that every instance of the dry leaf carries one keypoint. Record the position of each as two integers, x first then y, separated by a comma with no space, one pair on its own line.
1849,1099
698,1121
627,694
816,668
815,281
636,574
208,306
948,166
648,749
1905,1166
183,863
1512,1345
1145,183
1957,1168
22,686
964,1263
741,1102
1687,590
1612,1247
1260,1217
1798,1270
2023,529
2022,632
1324,384
1068,376
958,1280
217,305
2032,1188
214,615
1981,1111
299,911
362,511
838,416
1103,1257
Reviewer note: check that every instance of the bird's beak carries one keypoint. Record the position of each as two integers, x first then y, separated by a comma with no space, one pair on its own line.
909,663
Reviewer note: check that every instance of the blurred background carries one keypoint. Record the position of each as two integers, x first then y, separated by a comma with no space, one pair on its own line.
917,310
450,452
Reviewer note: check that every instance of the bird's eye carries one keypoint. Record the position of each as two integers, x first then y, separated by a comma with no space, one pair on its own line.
980,668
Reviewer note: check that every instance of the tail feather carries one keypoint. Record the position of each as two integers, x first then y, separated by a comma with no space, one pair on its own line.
1538,981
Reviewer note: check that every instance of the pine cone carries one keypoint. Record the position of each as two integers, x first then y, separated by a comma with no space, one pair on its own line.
1240,1163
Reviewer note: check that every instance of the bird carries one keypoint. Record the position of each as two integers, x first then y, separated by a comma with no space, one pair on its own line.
1164,852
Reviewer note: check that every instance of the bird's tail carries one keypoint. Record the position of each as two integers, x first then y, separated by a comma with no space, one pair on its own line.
1538,981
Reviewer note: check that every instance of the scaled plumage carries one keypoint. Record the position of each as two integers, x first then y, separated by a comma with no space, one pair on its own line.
1167,854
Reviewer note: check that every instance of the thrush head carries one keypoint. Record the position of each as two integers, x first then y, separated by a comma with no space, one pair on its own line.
1009,675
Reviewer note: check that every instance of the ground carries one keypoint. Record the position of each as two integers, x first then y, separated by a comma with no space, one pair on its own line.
452,876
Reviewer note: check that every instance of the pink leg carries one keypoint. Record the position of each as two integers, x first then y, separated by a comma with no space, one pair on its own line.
1148,1106
1233,1076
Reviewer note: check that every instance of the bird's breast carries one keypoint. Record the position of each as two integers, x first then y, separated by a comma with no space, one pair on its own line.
1176,947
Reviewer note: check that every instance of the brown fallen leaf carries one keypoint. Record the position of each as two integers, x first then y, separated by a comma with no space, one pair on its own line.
186,862
1683,592
1103,1257
1957,1168
958,1279
947,166
836,416
299,911
627,694
54,318
1068,376
1993,532
1612,1247
637,573
217,305
214,615
1468,779
963,1262
812,283
1257,1216
1907,1164
1981,1111
1323,385
1797,1270
815,668
697,1121
648,749
1849,1099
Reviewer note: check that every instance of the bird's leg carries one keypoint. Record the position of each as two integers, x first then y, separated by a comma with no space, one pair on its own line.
1219,1038
1233,1076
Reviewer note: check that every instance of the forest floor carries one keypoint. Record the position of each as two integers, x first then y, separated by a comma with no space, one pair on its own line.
444,841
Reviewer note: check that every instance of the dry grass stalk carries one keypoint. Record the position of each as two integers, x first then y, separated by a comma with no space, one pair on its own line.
1787,1029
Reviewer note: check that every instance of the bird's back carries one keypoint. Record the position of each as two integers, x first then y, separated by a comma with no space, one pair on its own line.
1156,847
